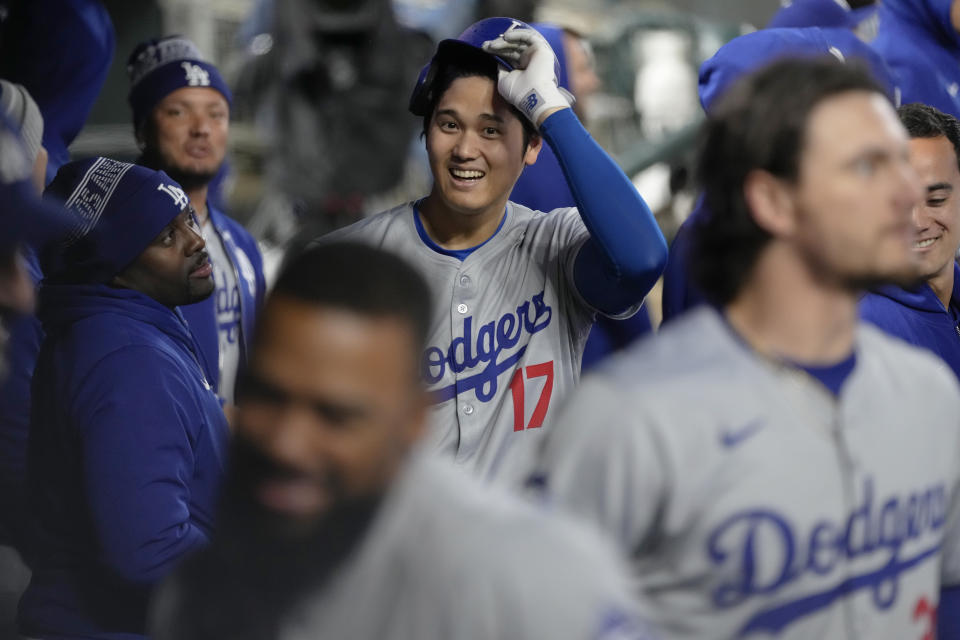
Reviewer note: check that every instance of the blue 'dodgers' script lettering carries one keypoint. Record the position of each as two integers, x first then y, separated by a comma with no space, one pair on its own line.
491,339
768,553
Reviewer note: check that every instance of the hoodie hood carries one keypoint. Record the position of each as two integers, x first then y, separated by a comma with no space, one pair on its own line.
813,13
754,50
930,16
922,298
61,306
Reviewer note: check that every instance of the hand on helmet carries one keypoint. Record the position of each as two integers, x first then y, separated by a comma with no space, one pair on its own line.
532,85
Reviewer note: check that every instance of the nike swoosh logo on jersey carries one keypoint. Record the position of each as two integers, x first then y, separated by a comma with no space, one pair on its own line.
730,438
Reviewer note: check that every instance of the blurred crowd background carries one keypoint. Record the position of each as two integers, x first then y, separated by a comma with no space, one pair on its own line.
333,70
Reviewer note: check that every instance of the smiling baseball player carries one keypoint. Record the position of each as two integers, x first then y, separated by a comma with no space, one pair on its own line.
774,467
516,290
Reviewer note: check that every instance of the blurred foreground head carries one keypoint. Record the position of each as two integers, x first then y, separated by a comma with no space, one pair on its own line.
807,159
22,113
27,223
332,403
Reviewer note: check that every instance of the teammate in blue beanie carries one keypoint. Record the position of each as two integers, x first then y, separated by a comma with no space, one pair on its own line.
920,42
181,114
128,440
734,60
517,289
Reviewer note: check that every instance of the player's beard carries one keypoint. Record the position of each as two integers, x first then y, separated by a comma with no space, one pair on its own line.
255,560
188,179
832,269
856,282
859,284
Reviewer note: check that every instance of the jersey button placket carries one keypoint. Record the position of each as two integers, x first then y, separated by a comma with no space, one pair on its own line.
464,294
464,305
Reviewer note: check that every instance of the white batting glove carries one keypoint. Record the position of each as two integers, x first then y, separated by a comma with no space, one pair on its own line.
532,85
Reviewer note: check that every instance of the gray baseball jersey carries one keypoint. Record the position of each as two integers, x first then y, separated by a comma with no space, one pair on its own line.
507,335
757,504
446,558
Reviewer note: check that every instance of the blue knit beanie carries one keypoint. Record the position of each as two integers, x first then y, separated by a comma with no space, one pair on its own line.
160,66
122,208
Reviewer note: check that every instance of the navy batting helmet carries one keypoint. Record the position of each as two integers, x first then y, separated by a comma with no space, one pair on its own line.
471,39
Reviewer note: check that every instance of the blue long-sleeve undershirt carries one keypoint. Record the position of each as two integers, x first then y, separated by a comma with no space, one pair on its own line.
626,252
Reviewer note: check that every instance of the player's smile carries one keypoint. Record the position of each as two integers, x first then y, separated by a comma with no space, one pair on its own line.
466,176
936,218
926,243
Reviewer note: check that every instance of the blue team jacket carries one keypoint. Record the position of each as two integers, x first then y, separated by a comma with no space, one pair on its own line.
247,264
127,449
918,317
922,48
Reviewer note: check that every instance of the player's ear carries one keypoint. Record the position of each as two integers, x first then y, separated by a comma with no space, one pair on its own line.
771,202
533,149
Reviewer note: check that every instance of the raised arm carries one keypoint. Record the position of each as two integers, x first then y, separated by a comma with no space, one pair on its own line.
626,252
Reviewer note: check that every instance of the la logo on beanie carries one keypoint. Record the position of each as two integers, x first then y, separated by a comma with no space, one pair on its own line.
179,197
195,75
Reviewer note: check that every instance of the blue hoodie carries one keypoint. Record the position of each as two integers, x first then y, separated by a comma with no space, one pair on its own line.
201,317
918,317
735,59
919,44
127,448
